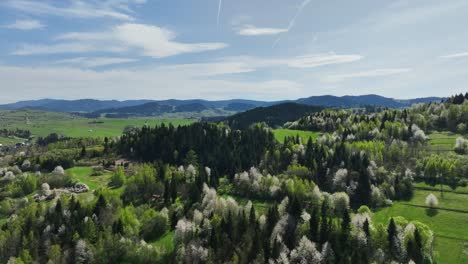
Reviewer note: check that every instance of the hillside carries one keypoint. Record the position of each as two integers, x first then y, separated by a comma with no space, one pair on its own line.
153,107
363,100
273,116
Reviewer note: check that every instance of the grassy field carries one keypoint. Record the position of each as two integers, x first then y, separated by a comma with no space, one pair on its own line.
83,175
165,242
449,227
10,141
43,123
445,188
281,134
442,141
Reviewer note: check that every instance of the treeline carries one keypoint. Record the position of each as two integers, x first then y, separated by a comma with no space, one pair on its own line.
226,151
273,116
21,133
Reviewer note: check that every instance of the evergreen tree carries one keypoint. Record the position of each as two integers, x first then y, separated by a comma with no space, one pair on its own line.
392,238
314,222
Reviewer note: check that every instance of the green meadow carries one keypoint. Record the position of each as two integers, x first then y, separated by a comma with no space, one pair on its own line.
44,123
281,134
450,227
442,141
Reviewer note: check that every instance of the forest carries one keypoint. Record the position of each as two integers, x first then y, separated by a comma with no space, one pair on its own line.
214,192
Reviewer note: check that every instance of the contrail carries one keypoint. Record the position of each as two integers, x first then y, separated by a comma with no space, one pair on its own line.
219,12
292,22
298,12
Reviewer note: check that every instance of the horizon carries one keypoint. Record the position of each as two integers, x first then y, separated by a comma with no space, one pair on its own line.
217,50
230,99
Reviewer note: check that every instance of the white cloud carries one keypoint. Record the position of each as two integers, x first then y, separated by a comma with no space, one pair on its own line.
455,55
250,30
27,24
115,9
94,62
365,74
153,83
147,40
158,42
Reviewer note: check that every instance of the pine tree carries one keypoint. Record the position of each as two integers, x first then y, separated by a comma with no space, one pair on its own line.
314,225
392,238
83,152
324,227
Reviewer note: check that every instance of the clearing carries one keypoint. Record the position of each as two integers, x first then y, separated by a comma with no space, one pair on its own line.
282,133
451,234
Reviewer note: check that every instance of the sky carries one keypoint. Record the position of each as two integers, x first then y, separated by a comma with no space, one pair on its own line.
225,49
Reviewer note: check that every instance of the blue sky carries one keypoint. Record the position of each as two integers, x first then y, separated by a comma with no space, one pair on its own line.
212,49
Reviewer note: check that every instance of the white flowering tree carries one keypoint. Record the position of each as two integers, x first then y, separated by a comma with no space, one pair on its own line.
461,145
432,201
305,252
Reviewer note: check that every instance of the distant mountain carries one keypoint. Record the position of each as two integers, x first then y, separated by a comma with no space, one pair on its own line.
68,106
222,107
195,107
239,107
273,116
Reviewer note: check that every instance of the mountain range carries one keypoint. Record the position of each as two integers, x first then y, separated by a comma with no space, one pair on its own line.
126,108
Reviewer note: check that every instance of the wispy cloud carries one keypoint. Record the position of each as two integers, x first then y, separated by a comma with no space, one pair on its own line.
27,24
146,40
94,62
366,74
219,12
250,30
67,47
115,9
455,55
315,60
304,61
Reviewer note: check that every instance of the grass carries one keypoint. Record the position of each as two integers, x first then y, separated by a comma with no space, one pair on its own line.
261,207
165,242
445,188
10,140
450,200
442,141
43,123
448,226
83,175
281,134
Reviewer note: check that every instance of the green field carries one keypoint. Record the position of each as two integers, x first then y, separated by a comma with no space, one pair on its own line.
10,141
83,175
281,134
165,242
451,234
43,123
442,141
445,188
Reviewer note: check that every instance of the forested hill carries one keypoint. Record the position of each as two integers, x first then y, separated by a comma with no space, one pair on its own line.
273,116
363,100
235,105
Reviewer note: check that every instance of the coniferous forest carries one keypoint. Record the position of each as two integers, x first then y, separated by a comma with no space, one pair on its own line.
207,193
